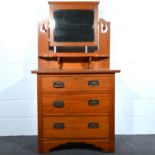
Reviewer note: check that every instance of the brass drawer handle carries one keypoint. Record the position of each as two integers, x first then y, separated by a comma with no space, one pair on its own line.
58,104
58,84
58,126
93,125
93,83
93,102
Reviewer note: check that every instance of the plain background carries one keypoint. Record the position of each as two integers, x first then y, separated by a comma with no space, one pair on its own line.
132,51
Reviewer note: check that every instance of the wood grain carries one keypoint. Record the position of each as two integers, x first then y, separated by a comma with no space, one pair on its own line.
76,127
78,104
96,72
76,83
44,146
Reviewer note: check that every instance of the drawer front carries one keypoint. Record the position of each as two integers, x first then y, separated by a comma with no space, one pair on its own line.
70,83
76,127
57,104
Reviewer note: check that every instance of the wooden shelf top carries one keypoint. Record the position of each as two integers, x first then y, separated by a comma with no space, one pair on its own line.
73,2
77,71
68,55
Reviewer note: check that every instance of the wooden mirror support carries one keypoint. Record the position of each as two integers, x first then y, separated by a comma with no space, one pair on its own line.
75,85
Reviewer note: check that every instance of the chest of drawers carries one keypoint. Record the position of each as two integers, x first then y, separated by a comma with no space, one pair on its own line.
76,87
76,108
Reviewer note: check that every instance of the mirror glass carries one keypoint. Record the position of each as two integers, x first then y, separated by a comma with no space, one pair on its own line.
73,25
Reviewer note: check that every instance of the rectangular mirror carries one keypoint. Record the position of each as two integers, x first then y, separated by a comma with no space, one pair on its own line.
73,25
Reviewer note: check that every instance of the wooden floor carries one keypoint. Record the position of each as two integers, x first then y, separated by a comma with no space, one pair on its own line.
125,145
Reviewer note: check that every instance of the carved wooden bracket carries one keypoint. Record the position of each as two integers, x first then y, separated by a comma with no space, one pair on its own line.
44,26
104,25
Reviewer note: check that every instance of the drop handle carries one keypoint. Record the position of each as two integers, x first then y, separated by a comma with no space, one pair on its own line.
58,126
93,83
93,102
58,84
93,125
58,104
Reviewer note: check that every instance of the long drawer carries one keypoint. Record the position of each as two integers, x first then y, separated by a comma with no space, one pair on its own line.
76,127
76,83
58,104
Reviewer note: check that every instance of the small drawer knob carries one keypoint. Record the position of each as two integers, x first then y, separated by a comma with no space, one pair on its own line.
93,83
58,126
58,84
93,125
